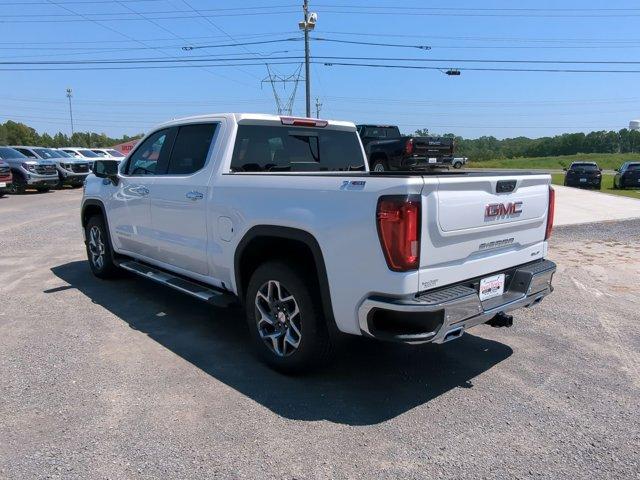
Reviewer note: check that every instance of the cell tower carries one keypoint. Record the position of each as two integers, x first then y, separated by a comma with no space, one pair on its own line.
284,104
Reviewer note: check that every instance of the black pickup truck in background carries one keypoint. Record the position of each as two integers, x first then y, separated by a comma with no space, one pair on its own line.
387,149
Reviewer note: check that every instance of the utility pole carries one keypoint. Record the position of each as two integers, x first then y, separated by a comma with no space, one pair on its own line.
318,107
307,25
69,95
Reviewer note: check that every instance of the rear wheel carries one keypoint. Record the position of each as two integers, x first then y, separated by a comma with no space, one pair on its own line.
285,319
457,165
99,249
379,166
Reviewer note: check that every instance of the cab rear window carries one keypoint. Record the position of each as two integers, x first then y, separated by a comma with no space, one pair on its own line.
261,148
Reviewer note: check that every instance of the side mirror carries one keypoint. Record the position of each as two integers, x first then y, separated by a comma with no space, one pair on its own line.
617,169
600,169
106,169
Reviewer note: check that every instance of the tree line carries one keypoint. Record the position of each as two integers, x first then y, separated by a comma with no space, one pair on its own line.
15,133
488,147
483,148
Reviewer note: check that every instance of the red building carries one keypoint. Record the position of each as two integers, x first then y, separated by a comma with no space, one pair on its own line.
126,147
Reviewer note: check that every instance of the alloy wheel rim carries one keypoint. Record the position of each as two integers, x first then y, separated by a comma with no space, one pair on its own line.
378,168
278,318
96,247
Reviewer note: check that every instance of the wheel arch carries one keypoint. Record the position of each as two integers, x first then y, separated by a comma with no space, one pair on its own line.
91,207
289,243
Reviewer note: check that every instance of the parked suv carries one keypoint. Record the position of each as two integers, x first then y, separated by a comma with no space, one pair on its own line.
71,171
627,176
109,153
281,215
583,175
28,172
5,177
81,153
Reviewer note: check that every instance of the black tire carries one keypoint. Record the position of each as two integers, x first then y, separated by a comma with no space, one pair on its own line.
379,165
271,334
17,186
457,165
43,189
99,246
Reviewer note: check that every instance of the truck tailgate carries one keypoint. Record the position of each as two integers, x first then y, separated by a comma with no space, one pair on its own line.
476,225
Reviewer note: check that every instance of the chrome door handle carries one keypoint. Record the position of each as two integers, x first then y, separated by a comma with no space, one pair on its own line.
193,195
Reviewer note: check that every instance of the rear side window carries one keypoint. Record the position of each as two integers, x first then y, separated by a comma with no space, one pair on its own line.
261,148
27,153
190,149
633,166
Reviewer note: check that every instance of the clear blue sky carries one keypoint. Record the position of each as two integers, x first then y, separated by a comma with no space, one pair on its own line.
502,104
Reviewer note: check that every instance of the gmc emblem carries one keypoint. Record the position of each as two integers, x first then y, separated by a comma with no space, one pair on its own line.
503,209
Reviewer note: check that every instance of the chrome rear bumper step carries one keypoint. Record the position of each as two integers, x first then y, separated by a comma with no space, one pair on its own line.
195,289
445,314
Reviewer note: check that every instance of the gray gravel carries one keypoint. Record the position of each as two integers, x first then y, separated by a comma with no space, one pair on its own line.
128,380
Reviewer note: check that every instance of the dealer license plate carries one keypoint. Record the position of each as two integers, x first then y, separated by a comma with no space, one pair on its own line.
583,180
433,160
3,184
491,287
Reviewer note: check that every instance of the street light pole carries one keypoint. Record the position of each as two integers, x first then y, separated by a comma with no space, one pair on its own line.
69,95
308,24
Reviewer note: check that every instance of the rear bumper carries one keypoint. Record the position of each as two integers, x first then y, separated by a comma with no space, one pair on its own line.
444,314
590,182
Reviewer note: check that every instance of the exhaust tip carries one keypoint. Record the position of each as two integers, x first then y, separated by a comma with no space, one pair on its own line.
453,334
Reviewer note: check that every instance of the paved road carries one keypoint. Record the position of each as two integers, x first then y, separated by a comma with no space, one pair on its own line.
127,380
575,206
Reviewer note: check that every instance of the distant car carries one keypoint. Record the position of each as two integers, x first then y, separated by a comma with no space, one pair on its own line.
29,172
81,153
627,176
583,175
458,162
109,153
5,178
71,171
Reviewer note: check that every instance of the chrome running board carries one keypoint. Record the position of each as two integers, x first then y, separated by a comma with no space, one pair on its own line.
190,287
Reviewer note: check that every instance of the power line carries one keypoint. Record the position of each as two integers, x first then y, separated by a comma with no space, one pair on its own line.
326,59
442,69
120,18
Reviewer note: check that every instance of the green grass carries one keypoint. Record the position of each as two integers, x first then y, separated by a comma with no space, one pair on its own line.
607,185
606,161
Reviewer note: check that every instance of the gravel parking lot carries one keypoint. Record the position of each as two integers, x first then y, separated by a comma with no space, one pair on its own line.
127,379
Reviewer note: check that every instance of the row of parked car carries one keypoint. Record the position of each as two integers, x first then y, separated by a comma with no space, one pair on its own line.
589,175
41,168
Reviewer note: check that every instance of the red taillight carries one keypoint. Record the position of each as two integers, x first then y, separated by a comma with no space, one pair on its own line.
398,220
303,122
408,147
551,212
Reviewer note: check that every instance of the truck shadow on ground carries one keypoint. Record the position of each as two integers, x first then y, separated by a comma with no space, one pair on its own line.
368,382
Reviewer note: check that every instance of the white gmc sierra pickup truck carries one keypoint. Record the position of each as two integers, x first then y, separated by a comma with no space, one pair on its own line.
283,216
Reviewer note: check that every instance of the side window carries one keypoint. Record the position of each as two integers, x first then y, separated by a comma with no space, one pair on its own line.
151,156
27,153
190,149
